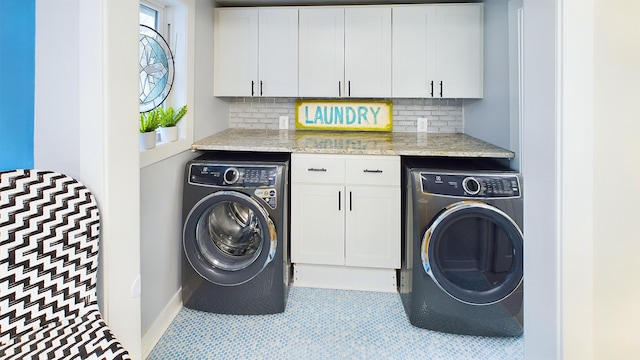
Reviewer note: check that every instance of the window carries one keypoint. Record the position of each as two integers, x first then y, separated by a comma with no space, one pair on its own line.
157,68
149,16
174,21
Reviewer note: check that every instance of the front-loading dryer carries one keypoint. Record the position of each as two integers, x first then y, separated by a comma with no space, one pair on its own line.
235,233
462,267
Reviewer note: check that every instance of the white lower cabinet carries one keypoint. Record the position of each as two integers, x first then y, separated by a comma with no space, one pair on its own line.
372,234
345,213
317,224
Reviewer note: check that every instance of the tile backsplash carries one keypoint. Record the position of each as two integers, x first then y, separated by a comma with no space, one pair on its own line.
443,115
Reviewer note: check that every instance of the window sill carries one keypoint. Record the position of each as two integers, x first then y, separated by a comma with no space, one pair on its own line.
163,151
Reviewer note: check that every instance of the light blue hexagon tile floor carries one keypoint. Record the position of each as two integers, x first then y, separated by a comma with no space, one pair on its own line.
324,324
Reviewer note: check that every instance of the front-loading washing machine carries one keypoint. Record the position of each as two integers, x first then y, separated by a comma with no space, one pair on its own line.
462,266
235,234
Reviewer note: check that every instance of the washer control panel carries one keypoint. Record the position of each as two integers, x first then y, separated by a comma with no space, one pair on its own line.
472,186
238,176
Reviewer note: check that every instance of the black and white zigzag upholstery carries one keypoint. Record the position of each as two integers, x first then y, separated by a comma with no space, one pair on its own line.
49,233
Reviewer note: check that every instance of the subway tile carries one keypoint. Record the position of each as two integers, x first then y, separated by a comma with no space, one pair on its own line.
405,112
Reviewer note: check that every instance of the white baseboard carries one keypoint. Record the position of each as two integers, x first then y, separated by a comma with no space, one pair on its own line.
344,277
153,335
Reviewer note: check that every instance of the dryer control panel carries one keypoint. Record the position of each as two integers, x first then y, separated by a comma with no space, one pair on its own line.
470,186
238,176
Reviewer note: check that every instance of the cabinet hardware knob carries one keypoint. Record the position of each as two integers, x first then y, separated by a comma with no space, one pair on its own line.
252,83
317,169
349,87
339,88
260,87
441,88
339,200
431,88
377,171
350,201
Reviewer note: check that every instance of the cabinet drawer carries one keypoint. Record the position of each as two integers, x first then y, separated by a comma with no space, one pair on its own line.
311,168
373,170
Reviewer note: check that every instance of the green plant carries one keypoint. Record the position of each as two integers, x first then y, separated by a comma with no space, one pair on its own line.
149,121
170,117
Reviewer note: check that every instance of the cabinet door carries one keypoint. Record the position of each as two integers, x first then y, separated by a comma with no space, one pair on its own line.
438,51
414,51
373,226
278,52
321,52
459,51
317,224
236,55
368,51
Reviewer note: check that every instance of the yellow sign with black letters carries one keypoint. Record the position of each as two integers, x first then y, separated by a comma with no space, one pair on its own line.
344,115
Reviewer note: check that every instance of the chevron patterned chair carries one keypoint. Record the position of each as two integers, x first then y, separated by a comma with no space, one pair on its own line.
49,233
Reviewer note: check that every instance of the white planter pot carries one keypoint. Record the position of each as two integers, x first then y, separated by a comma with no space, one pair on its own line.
168,134
147,140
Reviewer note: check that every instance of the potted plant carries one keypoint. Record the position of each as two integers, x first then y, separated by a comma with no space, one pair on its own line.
169,120
149,122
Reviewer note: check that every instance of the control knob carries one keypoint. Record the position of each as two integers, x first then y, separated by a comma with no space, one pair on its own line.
471,185
231,175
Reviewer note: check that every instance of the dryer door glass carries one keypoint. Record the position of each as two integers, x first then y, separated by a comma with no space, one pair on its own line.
229,238
473,251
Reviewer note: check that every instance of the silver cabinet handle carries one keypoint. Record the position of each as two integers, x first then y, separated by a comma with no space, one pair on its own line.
317,169
376,171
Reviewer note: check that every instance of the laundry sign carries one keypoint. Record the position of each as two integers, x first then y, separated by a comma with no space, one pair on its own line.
354,115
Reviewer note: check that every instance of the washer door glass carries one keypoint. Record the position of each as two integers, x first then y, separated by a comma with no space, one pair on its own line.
474,252
229,238
229,235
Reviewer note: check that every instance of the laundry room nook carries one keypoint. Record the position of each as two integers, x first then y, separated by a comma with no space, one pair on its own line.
324,179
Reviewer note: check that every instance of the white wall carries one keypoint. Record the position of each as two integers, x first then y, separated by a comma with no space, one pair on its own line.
616,165
212,114
161,245
575,159
488,118
581,226
541,294
161,195
85,125
57,117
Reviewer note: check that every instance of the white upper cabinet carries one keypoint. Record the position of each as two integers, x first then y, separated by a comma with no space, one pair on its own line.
438,51
256,52
345,52
400,51
278,52
459,50
321,52
367,51
236,52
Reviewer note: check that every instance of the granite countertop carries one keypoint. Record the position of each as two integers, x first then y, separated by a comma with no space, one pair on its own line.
353,143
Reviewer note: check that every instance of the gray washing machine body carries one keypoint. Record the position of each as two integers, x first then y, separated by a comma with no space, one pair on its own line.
462,266
235,233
